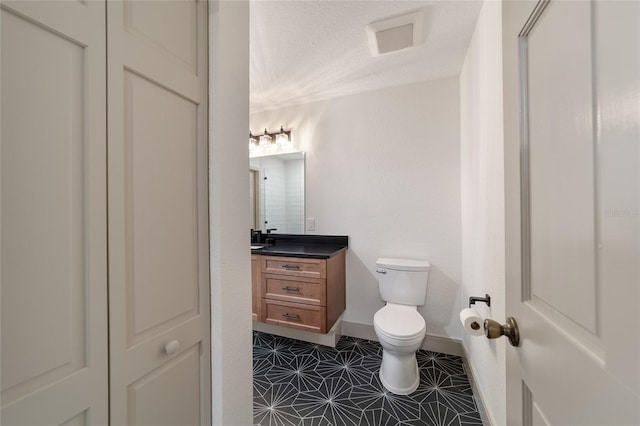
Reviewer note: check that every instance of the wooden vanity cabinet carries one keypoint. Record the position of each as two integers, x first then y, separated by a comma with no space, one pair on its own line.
256,290
302,293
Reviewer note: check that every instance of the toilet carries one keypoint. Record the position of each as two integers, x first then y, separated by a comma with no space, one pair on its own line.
399,326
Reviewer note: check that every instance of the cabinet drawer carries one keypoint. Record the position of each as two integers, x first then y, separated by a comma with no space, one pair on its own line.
295,315
295,266
294,289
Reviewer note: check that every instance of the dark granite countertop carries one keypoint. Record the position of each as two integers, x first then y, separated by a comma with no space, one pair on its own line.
309,246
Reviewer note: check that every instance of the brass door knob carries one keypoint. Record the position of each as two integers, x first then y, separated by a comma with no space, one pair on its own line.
493,330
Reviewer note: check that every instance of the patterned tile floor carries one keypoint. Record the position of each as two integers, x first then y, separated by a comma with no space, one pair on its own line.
298,384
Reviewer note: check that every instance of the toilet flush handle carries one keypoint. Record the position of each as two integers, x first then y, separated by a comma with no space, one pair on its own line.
381,271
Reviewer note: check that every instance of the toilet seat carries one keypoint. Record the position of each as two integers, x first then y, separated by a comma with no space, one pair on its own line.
399,322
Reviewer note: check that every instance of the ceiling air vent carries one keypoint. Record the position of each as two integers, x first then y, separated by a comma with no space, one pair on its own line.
395,33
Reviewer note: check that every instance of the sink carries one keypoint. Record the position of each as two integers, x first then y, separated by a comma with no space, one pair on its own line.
256,247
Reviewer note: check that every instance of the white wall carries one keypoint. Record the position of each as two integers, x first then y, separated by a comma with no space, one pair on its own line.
483,233
383,167
231,353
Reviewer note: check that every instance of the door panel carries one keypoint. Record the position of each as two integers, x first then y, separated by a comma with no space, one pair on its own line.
561,165
140,20
158,213
160,186
53,265
533,412
51,169
78,420
572,164
151,399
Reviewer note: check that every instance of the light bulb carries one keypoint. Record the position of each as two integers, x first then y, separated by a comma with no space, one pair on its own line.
282,140
253,143
265,140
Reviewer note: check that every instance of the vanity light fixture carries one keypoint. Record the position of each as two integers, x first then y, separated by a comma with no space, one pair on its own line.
270,141
253,142
266,140
283,138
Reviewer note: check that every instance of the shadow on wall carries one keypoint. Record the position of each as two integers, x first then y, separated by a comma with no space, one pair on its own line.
302,122
443,302
363,296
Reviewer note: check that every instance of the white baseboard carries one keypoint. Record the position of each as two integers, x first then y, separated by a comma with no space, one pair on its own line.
432,343
361,331
486,420
443,345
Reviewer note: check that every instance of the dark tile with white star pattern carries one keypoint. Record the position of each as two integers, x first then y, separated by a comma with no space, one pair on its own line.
303,384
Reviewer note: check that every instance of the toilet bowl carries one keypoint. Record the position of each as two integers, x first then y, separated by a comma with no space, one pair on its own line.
398,325
400,331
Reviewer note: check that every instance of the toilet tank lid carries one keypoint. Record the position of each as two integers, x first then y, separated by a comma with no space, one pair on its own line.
403,264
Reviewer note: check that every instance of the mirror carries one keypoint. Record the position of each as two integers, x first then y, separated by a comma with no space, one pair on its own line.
277,193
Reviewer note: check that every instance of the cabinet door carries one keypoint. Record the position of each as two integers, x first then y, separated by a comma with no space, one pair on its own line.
53,217
256,287
158,213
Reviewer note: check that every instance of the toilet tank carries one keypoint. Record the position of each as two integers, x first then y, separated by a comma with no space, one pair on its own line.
403,281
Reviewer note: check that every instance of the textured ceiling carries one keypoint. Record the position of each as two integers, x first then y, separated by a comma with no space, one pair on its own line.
307,50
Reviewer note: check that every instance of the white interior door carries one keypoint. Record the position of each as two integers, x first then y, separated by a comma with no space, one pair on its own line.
158,213
572,152
53,213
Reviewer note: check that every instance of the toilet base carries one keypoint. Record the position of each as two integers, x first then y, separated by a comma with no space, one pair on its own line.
399,373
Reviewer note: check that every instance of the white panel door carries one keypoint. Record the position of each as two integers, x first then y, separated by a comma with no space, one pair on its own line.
572,152
53,213
158,213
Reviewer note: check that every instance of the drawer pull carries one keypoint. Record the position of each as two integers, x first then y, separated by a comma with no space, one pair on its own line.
290,316
291,289
293,267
